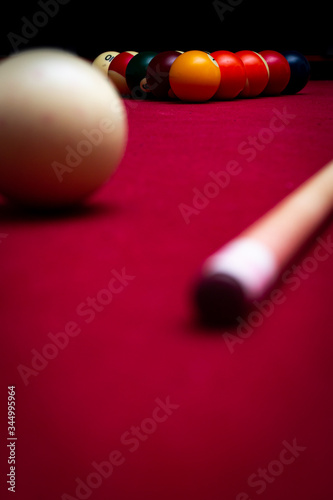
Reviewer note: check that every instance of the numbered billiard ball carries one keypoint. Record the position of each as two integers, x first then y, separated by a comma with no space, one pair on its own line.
279,72
195,76
136,73
233,76
63,128
102,61
158,73
117,71
299,71
257,73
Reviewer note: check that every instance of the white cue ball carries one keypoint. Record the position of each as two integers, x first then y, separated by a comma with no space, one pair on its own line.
63,128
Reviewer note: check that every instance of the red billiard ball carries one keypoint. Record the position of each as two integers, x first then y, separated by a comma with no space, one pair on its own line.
279,72
158,73
233,76
117,71
194,76
257,73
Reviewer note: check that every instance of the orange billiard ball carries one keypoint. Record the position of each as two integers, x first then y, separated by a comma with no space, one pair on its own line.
233,76
257,73
194,76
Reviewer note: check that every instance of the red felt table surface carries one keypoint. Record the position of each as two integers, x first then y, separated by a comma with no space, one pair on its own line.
99,336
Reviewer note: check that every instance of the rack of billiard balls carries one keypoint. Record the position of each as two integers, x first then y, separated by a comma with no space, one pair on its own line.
198,76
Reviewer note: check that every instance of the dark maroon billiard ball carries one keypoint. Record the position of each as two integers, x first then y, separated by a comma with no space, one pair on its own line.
158,74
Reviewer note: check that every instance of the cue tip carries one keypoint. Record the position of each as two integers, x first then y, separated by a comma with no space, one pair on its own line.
219,299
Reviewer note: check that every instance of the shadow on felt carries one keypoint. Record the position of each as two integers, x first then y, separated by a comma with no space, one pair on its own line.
12,212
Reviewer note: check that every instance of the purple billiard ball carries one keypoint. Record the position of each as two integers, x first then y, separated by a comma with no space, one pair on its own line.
299,71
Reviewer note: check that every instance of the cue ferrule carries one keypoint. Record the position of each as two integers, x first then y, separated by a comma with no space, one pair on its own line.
249,262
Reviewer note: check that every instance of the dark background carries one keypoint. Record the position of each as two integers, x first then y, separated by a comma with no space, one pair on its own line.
93,27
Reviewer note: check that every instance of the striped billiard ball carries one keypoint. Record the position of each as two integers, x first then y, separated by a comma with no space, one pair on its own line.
257,73
117,71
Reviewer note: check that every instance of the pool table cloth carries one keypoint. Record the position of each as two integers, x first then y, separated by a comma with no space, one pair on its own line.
121,394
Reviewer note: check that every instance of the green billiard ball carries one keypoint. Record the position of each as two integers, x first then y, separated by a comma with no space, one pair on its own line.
136,73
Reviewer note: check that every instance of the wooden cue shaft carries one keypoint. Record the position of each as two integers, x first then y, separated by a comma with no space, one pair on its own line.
244,269
292,221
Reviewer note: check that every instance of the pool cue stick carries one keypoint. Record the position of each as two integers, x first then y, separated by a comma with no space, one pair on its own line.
244,269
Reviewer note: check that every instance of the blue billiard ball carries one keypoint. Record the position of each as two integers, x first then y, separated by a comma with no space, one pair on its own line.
300,71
